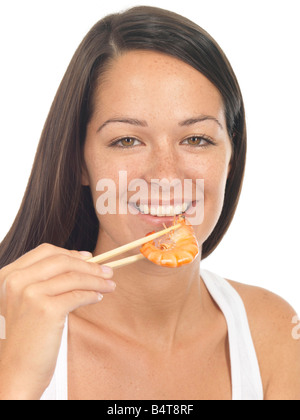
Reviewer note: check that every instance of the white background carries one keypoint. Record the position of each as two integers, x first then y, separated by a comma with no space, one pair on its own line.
261,39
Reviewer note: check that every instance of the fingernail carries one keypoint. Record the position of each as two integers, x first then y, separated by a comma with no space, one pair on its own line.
100,297
107,270
86,254
112,284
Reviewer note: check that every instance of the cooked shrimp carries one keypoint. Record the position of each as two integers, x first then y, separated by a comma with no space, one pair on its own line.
175,249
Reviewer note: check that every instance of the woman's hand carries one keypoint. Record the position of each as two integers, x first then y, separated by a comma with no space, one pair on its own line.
36,294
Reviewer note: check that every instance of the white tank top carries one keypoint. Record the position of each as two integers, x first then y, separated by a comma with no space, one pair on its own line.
245,374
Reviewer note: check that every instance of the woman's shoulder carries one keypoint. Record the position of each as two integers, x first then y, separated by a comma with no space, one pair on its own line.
262,302
273,325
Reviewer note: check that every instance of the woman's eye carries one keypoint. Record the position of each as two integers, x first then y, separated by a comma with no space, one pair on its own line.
199,141
129,142
126,142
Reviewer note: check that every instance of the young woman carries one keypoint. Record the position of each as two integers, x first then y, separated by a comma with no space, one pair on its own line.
149,93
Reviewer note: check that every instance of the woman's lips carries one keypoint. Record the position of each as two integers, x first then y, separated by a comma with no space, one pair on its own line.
162,210
162,214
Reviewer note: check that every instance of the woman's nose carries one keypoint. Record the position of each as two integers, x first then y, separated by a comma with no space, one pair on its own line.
163,163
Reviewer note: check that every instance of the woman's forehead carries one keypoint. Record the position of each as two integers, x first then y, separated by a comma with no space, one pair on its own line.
152,82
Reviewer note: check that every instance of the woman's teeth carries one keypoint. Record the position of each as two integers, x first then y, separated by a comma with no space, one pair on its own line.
163,210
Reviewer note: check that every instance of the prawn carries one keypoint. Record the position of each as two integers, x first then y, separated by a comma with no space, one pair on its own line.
177,248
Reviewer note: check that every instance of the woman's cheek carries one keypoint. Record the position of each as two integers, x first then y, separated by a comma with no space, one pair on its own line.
214,193
109,187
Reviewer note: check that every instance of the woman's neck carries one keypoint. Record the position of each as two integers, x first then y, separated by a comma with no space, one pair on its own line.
154,305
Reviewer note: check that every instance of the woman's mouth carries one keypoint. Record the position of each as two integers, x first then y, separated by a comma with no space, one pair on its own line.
163,210
160,214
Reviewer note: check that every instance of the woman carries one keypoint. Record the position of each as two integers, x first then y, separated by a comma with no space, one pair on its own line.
153,83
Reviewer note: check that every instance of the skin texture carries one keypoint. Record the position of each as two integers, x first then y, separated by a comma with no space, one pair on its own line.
161,91
37,293
158,334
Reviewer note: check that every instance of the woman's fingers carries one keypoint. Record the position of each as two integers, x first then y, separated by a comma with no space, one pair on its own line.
41,252
36,294
59,272
71,281
69,302
49,267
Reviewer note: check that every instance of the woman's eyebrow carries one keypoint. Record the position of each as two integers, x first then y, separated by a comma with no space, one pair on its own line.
143,123
131,121
200,118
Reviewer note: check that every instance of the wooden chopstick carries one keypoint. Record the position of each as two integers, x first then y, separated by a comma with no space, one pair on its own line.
125,261
124,248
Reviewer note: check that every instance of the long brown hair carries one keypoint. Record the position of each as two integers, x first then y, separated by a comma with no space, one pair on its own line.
56,208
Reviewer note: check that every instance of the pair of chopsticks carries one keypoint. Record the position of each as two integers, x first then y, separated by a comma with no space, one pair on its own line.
124,248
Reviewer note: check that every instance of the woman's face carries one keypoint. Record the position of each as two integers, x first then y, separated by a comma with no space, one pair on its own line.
155,118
